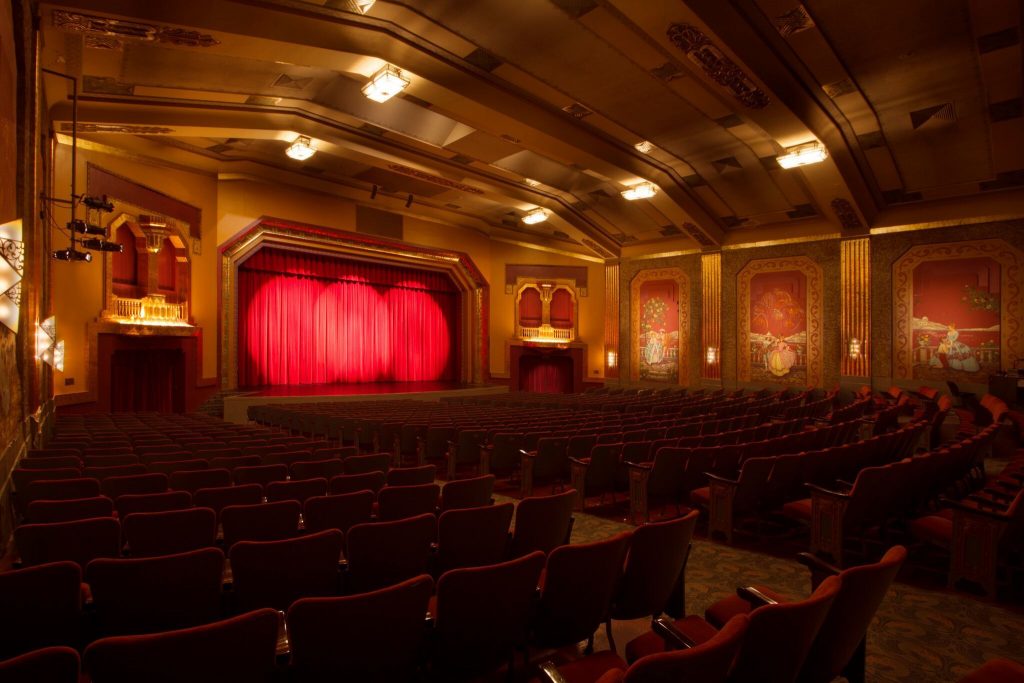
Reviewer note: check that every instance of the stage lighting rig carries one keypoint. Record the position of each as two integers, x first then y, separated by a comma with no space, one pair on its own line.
84,228
101,245
98,203
72,255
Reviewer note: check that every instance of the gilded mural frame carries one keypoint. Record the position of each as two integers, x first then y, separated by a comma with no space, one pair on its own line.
683,284
1011,309
815,305
322,240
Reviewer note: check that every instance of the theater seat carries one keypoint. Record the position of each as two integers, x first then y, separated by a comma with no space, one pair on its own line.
48,665
996,671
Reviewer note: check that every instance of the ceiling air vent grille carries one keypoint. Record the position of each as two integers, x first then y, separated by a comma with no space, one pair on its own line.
219,149
802,211
292,83
839,88
670,231
372,129
462,159
935,115
871,140
482,59
727,164
577,110
575,8
667,71
794,21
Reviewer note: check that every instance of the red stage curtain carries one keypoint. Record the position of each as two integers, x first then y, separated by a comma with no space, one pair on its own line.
530,308
548,374
310,319
561,309
147,380
125,264
167,265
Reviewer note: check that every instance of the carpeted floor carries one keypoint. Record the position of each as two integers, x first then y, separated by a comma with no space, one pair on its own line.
918,634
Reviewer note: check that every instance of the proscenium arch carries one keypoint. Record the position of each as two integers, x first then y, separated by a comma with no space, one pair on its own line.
283,234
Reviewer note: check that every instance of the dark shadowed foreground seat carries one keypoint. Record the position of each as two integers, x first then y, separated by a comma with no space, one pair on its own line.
708,662
325,646
340,512
472,537
996,671
277,573
384,553
238,649
48,665
165,533
543,523
79,541
261,522
41,606
49,511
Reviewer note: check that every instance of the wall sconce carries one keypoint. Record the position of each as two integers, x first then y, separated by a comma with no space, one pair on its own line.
613,359
48,349
711,355
855,348
12,269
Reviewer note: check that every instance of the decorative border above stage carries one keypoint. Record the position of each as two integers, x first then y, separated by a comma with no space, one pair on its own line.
814,311
475,307
1011,313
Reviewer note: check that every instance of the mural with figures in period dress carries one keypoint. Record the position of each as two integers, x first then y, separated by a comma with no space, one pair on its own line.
659,302
780,321
957,311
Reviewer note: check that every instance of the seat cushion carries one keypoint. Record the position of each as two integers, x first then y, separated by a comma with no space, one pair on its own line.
996,671
695,628
591,668
701,497
798,509
724,610
933,529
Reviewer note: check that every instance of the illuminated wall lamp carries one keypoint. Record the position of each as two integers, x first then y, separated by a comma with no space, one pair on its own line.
613,359
301,149
12,269
855,349
803,155
48,349
711,355
362,6
641,191
385,84
535,216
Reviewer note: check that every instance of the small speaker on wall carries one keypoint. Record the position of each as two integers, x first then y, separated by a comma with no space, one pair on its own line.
408,202
373,192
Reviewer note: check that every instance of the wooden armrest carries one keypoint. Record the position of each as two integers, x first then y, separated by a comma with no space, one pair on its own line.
550,673
816,564
984,502
578,461
673,637
997,493
284,648
970,510
529,454
755,597
722,480
820,490
639,465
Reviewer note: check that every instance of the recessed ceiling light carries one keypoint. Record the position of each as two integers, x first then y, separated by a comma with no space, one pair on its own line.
301,149
644,146
531,182
640,191
535,216
803,155
385,84
363,6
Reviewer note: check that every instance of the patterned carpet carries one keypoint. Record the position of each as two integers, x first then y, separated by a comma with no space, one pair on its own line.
918,634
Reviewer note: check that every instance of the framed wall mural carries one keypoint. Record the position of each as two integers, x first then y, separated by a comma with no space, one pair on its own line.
957,311
659,301
780,321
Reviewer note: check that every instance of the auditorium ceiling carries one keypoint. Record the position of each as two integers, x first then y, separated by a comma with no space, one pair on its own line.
519,104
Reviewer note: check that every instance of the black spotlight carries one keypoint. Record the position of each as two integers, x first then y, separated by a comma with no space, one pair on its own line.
84,228
72,255
98,203
101,245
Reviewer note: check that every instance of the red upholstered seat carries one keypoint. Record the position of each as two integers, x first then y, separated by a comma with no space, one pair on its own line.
115,487
220,497
996,671
936,529
298,490
592,667
543,523
261,522
798,509
152,502
41,606
193,480
725,609
701,497
384,553
277,573
693,627
47,511
239,649
467,493
411,476
350,483
165,533
47,665
471,537
400,502
79,541
325,646
340,512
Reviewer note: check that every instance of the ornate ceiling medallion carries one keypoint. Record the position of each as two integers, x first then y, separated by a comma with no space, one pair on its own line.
115,30
719,68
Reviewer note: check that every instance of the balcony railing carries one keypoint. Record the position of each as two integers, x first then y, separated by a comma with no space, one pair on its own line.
547,334
150,310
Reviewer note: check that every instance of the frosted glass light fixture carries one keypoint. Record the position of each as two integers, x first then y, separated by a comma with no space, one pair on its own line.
362,6
385,84
12,269
535,216
640,191
803,155
712,355
644,146
46,342
855,348
301,149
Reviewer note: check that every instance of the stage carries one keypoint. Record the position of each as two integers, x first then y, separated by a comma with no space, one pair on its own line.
236,406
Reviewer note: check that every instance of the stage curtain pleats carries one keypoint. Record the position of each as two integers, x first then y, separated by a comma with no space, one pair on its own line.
312,319
147,380
561,309
548,374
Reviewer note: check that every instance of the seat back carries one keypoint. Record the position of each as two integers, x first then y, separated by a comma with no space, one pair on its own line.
238,649
350,483
277,573
411,476
260,522
59,489
51,462
41,605
49,511
467,493
471,537
260,474
193,480
780,636
231,463
146,595
579,583
165,533
360,464
543,523
863,589
340,512
79,541
400,502
220,497
463,649
50,664
115,487
313,469
655,561
299,489
105,472
324,646
385,553
131,503
708,662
